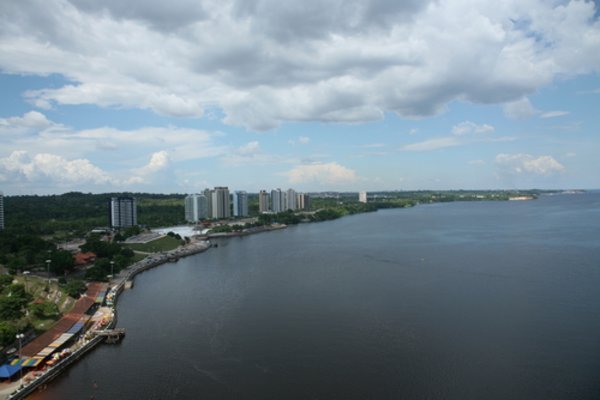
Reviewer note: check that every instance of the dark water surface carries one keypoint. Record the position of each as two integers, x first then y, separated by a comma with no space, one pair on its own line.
486,300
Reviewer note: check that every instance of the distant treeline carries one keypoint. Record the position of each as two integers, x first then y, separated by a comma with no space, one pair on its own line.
75,213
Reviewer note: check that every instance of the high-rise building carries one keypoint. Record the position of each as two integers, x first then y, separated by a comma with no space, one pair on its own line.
303,201
196,207
362,197
290,200
263,201
209,208
240,204
122,212
220,202
277,201
1,211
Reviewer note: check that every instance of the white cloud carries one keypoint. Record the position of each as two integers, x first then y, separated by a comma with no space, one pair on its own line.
519,109
30,121
432,144
518,164
554,114
249,153
471,128
321,173
44,167
304,140
158,161
267,62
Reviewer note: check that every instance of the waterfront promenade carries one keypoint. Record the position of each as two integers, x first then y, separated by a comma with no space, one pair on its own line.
45,368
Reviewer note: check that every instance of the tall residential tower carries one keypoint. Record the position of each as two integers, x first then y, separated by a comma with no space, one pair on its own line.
122,212
196,207
240,203
220,202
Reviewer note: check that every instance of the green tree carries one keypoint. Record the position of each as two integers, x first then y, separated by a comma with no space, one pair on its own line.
8,332
75,288
96,274
5,280
61,261
45,309
11,308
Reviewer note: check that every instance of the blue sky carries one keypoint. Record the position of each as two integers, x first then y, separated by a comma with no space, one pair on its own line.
343,95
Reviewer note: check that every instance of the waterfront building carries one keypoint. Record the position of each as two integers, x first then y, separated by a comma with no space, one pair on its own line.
122,212
362,197
303,201
240,203
196,207
290,200
209,209
220,202
1,211
277,200
263,201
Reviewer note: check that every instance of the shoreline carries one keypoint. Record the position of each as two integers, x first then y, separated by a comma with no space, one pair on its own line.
116,286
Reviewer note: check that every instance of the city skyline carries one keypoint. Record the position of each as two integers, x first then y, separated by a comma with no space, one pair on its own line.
319,97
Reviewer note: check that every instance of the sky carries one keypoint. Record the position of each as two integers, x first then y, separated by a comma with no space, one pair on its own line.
173,97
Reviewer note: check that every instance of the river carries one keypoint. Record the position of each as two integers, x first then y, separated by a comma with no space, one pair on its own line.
466,300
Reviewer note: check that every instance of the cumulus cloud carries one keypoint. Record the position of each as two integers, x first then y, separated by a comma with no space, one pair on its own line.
321,173
267,62
53,168
518,164
470,128
158,161
30,121
519,109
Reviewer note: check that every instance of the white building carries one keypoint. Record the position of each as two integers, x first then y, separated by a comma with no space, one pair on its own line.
263,201
220,202
362,197
196,207
122,212
290,203
240,203
277,200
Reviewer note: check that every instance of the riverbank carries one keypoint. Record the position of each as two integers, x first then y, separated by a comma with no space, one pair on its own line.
121,281
32,380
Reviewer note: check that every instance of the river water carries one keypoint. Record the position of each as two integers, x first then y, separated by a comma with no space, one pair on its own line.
478,300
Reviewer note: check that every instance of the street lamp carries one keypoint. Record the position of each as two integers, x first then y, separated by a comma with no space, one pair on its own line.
112,268
25,273
20,336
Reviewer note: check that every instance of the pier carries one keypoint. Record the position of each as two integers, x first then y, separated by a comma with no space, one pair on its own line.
112,335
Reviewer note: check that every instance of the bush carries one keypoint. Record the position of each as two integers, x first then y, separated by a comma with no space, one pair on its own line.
46,309
75,288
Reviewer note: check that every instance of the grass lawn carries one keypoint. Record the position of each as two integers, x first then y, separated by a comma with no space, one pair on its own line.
165,243
138,257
